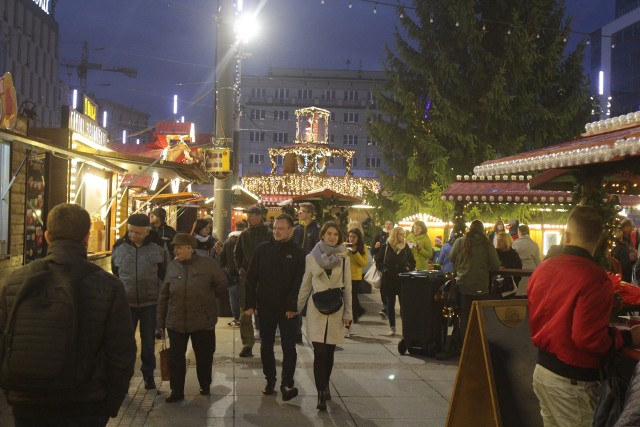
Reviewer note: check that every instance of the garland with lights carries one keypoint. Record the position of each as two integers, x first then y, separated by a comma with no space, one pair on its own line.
292,184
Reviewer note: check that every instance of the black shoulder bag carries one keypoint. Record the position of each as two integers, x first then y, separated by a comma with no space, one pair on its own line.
329,301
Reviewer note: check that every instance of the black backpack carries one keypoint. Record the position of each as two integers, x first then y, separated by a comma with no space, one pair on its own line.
39,349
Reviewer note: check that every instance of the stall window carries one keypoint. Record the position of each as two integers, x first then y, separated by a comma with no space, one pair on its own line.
93,195
5,179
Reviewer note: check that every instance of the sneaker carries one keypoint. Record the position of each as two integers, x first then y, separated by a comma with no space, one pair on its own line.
346,333
288,393
174,397
234,323
269,388
149,383
246,352
383,314
392,332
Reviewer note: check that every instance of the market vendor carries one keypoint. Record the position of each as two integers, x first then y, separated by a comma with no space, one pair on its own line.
570,303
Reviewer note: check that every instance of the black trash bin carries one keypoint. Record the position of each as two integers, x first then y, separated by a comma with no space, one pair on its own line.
423,327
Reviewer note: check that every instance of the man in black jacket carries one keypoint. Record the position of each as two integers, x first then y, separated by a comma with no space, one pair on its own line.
272,286
248,240
105,331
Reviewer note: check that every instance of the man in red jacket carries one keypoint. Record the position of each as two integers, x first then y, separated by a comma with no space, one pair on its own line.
570,302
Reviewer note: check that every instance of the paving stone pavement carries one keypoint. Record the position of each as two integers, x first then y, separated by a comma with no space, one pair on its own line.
371,385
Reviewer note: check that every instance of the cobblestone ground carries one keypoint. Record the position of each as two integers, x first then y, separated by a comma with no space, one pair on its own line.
371,385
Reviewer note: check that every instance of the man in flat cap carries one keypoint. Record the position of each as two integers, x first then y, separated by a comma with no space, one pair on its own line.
140,260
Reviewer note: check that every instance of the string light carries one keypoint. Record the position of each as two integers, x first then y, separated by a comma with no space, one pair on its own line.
292,184
375,10
350,5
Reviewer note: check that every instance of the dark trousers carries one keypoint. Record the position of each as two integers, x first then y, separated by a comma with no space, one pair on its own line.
390,303
269,321
465,310
204,345
355,302
322,364
86,421
147,318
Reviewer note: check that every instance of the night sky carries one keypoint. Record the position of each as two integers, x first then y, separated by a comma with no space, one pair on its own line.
171,44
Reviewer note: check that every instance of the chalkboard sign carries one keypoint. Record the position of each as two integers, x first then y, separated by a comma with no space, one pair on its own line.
493,385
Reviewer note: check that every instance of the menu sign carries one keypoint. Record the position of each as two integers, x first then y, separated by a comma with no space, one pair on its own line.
34,245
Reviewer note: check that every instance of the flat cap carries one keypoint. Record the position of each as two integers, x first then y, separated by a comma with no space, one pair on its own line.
140,220
184,239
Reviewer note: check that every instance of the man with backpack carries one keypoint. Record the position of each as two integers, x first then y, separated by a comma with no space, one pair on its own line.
140,260
67,352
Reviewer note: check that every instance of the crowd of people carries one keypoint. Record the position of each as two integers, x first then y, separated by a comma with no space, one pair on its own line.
168,284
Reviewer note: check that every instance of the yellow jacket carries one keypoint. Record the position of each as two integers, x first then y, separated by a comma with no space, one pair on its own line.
424,254
357,262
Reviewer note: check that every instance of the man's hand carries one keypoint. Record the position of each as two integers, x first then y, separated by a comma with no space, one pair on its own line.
250,311
291,314
218,247
377,245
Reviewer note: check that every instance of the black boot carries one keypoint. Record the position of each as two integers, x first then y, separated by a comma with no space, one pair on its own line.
322,401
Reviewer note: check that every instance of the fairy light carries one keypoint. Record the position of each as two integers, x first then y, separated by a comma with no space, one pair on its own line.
118,204
292,184
72,180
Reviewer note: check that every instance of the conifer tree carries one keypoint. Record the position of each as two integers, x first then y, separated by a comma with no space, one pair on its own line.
472,80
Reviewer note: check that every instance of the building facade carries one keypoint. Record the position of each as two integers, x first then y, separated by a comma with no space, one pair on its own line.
29,50
615,62
122,118
268,119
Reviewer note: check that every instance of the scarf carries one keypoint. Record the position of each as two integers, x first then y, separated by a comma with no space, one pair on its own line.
398,246
328,256
203,239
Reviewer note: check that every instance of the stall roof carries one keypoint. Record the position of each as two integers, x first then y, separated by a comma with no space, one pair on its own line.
513,189
612,141
44,144
165,169
172,198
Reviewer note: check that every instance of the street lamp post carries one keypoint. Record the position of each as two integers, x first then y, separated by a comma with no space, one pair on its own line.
223,115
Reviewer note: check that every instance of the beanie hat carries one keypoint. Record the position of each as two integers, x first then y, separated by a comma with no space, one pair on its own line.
140,220
439,240
255,210
160,213
184,239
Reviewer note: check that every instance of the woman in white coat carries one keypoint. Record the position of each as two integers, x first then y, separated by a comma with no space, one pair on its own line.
327,266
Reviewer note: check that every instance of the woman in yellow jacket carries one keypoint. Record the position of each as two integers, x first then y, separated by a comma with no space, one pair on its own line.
357,251
420,245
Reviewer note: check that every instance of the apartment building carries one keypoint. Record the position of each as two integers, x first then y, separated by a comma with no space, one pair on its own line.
268,105
615,62
29,50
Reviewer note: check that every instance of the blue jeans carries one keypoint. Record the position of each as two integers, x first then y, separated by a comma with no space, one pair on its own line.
147,318
86,421
233,298
269,321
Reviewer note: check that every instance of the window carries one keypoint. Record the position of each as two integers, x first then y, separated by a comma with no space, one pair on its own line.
332,161
281,137
282,93
256,159
279,160
5,178
351,117
328,95
280,115
371,141
373,162
304,94
258,114
349,139
258,92
350,95
332,138
256,136
354,162
371,98
333,117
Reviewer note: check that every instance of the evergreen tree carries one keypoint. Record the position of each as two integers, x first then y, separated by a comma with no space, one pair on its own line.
472,80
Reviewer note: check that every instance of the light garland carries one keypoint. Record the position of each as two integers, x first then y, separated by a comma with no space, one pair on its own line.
293,184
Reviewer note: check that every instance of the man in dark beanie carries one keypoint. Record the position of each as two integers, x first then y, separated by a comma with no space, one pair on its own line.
140,260
158,219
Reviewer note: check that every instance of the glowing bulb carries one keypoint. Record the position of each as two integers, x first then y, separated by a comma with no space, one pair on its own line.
350,5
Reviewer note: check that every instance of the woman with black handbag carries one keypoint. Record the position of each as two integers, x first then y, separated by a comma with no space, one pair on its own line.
394,257
327,279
